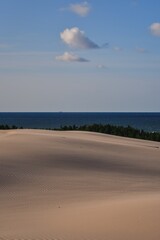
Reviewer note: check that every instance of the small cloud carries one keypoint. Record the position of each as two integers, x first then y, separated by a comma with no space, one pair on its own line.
70,57
135,2
101,66
81,9
141,50
76,38
105,45
155,29
117,49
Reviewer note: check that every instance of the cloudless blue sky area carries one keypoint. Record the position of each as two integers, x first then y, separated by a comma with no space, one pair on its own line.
42,71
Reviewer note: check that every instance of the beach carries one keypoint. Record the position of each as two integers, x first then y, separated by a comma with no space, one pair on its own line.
78,185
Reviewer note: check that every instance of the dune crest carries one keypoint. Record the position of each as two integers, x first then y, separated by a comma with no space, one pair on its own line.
78,185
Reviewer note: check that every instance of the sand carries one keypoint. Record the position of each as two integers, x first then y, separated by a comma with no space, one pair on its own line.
78,185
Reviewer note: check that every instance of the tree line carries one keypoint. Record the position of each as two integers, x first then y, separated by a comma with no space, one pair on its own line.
7,127
106,129
116,130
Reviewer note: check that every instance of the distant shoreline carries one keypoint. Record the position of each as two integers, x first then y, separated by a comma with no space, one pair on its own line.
101,128
148,122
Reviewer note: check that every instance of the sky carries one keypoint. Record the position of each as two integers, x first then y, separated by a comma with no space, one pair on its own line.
79,56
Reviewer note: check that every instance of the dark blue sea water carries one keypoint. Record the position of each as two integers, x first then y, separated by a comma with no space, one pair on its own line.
145,121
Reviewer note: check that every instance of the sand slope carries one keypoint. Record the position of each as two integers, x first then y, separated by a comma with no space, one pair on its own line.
78,185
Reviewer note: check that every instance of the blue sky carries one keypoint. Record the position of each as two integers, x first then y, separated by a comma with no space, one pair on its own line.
79,55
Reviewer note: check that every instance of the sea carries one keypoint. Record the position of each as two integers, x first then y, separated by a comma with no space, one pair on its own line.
44,120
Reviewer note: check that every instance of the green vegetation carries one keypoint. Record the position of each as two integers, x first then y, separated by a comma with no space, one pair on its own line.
6,127
107,129
116,130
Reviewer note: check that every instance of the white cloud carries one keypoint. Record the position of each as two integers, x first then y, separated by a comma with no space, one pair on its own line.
101,66
81,9
76,38
117,49
141,50
135,2
70,57
155,29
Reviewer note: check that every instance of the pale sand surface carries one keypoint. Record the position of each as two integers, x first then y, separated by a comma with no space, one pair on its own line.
78,185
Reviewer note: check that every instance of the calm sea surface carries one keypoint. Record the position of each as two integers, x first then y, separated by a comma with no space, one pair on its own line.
145,121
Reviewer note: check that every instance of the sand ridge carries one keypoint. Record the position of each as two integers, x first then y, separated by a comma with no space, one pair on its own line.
78,185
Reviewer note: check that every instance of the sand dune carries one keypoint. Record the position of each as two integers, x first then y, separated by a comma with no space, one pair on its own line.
78,185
